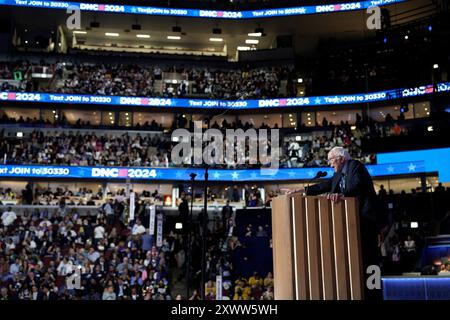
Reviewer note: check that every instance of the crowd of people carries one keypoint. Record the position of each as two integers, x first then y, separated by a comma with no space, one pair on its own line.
150,150
68,256
139,80
67,148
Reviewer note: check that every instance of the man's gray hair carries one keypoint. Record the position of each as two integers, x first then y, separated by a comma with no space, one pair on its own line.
340,152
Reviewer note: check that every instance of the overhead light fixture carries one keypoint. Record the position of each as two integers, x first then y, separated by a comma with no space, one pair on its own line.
255,34
243,48
79,32
173,37
406,37
414,225
178,225
435,66
251,41
300,80
111,34
143,36
216,39
430,128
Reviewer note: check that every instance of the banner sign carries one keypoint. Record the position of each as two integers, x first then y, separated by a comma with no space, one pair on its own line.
197,13
224,104
152,219
183,174
159,230
219,287
132,205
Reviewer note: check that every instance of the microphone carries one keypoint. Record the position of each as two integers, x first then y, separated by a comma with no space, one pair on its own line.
318,175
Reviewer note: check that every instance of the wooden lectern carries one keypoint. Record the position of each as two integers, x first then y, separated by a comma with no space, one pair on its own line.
316,249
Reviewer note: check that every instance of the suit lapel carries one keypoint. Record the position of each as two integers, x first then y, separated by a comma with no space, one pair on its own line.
335,182
347,176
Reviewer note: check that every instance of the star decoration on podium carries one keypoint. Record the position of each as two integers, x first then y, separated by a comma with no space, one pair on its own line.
390,169
235,175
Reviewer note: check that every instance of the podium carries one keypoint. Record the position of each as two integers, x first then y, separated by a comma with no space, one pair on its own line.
316,249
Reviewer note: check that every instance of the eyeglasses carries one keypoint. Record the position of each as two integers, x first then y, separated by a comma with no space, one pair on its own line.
334,158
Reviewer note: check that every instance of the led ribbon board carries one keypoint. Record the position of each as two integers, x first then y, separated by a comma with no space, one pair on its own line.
196,13
224,104
182,174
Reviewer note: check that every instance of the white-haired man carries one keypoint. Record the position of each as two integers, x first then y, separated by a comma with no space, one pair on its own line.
351,179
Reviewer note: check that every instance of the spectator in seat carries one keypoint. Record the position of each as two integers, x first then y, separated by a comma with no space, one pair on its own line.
382,192
261,232
8,217
109,293
138,229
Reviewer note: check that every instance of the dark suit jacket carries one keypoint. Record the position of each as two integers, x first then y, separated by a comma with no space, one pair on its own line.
358,183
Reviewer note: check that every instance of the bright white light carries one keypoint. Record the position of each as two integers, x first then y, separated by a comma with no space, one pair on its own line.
143,36
111,34
178,226
414,225
173,37
175,139
430,128
19,134
300,80
298,138
251,41
435,66
255,34
216,39
353,127
243,48
79,32
406,37
174,81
